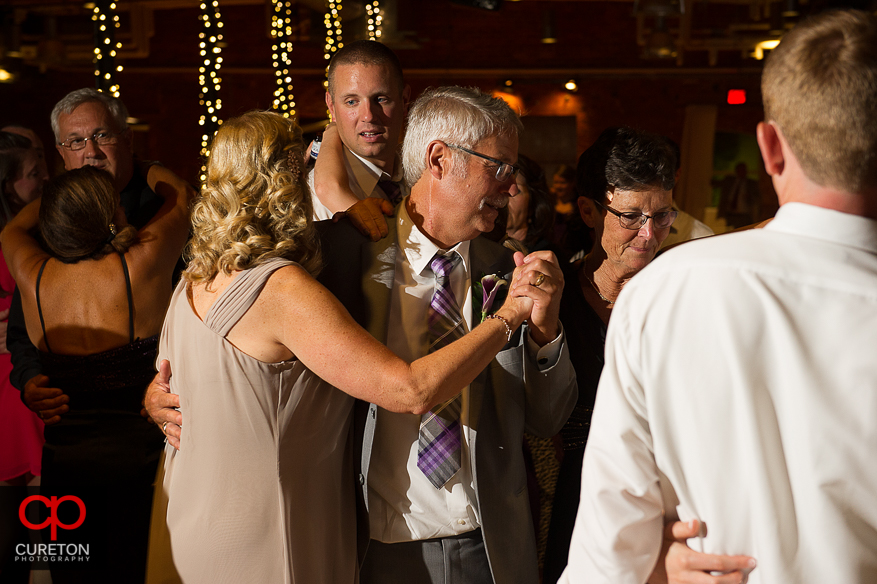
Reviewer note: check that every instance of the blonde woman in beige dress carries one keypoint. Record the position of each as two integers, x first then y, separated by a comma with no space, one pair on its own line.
262,488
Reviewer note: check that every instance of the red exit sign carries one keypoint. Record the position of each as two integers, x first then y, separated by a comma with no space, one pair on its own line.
736,96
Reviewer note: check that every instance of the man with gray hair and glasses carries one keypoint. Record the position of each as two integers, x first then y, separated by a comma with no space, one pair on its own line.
469,522
740,384
91,129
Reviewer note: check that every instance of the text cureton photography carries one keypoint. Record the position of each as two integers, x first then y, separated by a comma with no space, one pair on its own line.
52,552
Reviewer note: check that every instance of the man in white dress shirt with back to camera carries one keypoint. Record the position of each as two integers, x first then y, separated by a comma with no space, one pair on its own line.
740,386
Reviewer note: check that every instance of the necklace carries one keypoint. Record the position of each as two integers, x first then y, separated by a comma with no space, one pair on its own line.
610,303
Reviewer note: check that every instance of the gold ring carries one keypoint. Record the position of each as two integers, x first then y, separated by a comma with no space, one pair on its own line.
539,279
164,427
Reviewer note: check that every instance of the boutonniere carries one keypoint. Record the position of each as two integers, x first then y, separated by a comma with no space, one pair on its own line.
490,291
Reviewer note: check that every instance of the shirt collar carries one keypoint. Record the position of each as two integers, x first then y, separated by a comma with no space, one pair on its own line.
826,224
367,174
417,247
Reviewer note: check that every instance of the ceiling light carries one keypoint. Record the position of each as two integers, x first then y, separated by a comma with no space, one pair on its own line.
660,44
758,53
549,37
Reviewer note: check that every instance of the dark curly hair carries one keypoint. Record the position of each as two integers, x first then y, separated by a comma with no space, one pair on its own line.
626,159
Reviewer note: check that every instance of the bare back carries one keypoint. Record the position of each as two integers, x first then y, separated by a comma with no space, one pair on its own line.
85,305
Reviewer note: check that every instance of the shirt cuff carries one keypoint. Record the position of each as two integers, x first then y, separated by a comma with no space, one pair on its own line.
547,356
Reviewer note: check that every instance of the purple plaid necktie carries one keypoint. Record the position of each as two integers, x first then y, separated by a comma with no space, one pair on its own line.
438,449
391,189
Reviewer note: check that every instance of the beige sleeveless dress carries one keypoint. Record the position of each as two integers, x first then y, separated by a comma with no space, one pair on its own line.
262,489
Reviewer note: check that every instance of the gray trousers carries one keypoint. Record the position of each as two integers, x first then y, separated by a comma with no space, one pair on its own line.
459,559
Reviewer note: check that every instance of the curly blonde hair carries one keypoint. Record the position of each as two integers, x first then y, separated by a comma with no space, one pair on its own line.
255,203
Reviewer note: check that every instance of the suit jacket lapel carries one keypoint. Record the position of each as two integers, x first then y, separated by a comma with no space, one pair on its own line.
484,258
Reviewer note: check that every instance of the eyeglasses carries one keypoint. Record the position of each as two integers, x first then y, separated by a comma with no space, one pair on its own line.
635,221
99,138
504,170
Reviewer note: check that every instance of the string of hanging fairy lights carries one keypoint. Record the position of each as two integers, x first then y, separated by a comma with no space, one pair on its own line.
281,55
373,20
106,21
209,43
332,20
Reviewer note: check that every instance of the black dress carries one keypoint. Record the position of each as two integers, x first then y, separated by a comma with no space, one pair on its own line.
104,452
586,339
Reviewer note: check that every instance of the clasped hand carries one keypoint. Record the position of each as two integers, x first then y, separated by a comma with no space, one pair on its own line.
538,278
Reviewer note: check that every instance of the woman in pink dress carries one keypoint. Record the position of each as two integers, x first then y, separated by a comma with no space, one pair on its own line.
22,175
21,431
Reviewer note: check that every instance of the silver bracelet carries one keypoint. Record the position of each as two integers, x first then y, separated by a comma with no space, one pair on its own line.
508,328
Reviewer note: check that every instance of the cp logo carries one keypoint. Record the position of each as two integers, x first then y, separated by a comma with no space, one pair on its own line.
52,504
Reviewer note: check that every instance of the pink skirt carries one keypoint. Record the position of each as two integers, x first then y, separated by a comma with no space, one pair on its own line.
21,430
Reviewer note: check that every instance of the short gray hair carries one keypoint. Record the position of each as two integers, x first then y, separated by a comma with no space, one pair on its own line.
74,99
462,116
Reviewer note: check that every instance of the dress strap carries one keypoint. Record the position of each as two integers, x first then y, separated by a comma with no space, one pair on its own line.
40,307
240,295
130,298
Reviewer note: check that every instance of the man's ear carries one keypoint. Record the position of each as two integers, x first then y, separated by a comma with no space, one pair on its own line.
330,105
437,159
770,142
588,211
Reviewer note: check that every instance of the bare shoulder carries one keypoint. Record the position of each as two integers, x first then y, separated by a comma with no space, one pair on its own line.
294,291
25,267
290,279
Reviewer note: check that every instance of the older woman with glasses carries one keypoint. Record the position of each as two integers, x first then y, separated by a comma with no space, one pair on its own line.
625,182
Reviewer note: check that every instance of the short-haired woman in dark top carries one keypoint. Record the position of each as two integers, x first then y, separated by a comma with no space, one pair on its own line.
625,183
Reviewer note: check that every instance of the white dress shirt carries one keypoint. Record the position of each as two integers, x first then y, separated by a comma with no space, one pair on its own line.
740,388
362,176
403,504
